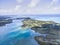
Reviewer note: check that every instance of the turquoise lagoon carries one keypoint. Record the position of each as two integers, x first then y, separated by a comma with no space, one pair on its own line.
12,34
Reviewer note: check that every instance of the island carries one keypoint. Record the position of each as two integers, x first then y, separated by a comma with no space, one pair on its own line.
51,28
5,20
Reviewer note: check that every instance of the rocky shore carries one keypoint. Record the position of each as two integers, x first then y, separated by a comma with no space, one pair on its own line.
45,41
52,37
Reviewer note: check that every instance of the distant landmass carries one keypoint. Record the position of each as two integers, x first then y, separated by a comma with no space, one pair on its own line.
5,20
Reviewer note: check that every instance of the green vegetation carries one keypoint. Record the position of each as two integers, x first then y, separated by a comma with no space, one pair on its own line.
32,23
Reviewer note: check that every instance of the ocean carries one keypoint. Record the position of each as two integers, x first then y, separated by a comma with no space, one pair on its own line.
12,34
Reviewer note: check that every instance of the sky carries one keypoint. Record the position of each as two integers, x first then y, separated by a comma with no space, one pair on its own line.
8,7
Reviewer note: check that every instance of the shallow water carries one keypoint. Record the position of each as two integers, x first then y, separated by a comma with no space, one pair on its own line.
12,34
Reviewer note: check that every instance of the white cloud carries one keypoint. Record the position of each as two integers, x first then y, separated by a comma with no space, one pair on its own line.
33,3
32,8
17,7
2,10
53,2
5,11
10,11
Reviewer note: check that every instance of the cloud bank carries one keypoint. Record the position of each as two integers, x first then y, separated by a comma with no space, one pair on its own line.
34,7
